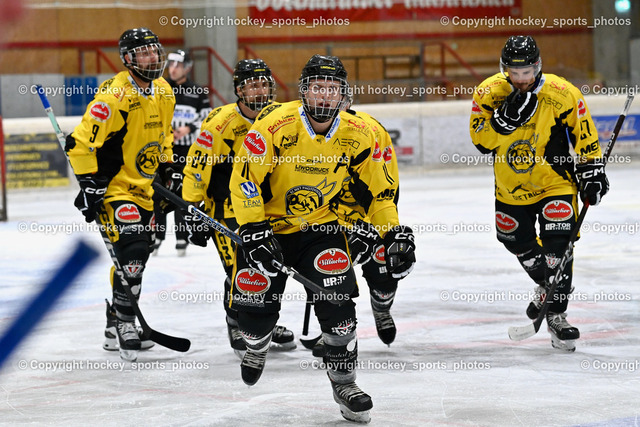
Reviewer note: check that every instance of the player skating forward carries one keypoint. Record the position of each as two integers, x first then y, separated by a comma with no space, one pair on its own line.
208,172
293,161
192,107
528,120
115,152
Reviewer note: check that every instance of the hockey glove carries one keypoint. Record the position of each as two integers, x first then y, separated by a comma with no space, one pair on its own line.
399,251
592,180
363,239
91,195
171,178
260,247
197,231
515,111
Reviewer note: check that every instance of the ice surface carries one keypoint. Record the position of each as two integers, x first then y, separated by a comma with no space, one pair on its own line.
451,364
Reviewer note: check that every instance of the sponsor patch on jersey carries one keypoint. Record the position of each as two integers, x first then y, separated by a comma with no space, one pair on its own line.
133,269
378,255
128,213
198,177
251,282
205,139
557,210
377,153
332,261
249,189
582,108
475,108
255,144
281,122
505,223
387,154
100,111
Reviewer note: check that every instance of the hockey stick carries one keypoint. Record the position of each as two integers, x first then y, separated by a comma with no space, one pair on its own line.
518,333
173,343
289,271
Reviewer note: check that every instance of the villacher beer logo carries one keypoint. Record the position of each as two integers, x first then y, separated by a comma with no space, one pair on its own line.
205,139
557,210
255,143
378,255
128,213
332,261
100,111
250,282
505,223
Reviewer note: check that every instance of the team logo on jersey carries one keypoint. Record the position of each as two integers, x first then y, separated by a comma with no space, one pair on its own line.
505,223
378,255
387,154
249,189
304,199
582,108
100,111
147,159
255,143
250,282
521,156
128,213
205,139
133,270
332,261
557,210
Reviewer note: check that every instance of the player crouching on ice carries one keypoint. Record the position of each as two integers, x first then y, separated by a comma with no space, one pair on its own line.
528,120
292,163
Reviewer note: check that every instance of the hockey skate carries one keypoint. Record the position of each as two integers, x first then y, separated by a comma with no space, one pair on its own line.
254,358
318,348
111,335
385,326
563,335
282,339
181,247
128,340
354,403
156,246
533,309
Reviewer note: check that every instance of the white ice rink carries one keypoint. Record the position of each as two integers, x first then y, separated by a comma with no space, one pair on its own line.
452,363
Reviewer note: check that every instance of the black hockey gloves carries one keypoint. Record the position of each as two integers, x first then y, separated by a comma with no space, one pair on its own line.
515,111
261,247
399,251
197,231
363,239
171,178
592,181
91,195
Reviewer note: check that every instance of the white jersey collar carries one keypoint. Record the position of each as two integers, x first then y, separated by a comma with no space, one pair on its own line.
307,125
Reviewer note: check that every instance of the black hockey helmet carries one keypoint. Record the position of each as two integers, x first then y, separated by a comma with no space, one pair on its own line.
323,69
249,76
138,43
520,51
180,56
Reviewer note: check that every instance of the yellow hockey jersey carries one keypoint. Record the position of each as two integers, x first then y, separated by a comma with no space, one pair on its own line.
210,160
345,205
535,161
289,174
124,135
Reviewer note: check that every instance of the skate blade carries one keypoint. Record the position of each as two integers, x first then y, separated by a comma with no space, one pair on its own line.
181,252
287,346
129,355
112,344
564,345
363,417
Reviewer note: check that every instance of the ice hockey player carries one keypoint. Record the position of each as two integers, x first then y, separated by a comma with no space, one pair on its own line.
293,162
115,153
208,173
192,107
528,120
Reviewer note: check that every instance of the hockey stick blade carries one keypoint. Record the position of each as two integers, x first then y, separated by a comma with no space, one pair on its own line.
285,269
519,333
173,343
310,343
